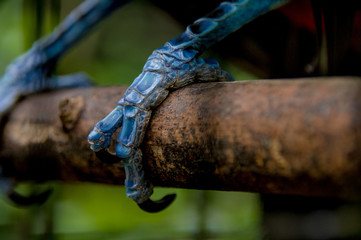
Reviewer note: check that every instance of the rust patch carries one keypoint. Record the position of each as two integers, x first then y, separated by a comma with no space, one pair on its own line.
69,112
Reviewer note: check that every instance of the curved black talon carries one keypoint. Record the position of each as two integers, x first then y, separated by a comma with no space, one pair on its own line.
107,157
33,199
157,206
7,188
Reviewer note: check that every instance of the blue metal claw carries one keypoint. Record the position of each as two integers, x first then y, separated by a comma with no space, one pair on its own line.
172,66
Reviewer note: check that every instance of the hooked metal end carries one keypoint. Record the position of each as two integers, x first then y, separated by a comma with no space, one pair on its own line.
33,199
148,205
157,206
106,157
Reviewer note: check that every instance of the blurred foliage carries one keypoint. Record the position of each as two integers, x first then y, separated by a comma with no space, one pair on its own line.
94,211
11,39
114,54
39,18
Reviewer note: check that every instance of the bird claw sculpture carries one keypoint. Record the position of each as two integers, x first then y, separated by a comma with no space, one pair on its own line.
172,66
168,68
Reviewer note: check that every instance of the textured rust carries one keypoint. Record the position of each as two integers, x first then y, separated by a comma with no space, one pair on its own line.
271,136
69,112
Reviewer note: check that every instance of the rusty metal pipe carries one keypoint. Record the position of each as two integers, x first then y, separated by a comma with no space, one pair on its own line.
270,136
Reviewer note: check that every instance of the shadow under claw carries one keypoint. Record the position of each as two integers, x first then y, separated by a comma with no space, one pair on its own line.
106,157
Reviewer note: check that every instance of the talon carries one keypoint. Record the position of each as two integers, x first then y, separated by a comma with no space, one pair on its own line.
7,187
33,199
157,206
107,157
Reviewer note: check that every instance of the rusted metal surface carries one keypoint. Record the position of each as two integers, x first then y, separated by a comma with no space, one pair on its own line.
273,136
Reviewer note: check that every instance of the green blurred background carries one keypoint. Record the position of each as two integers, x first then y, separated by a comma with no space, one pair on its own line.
114,54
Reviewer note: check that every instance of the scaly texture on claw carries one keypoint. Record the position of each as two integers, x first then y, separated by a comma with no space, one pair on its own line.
100,136
172,66
166,69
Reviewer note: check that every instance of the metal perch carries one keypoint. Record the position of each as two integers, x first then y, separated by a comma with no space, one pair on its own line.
271,136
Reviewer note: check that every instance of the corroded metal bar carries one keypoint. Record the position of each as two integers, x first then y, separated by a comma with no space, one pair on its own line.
271,136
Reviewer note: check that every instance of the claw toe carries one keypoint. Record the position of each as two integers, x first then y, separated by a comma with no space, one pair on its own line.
123,151
33,199
157,206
